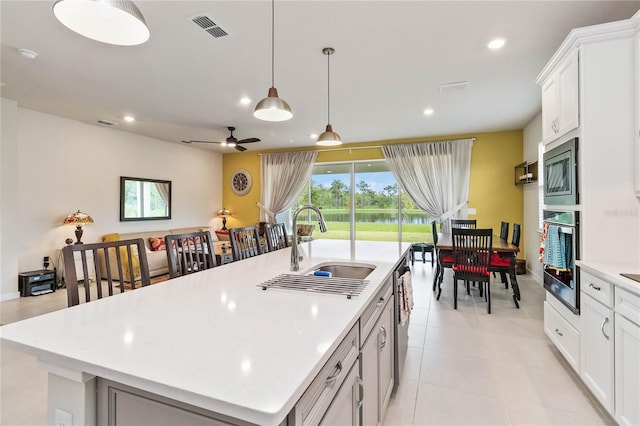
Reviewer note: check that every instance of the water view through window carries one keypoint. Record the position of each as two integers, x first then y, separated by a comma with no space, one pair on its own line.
362,201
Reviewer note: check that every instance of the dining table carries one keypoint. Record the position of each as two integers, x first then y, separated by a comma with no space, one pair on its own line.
444,247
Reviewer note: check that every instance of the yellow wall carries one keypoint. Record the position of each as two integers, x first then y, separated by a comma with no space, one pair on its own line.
491,188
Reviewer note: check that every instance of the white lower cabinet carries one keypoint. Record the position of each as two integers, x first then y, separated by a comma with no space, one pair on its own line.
627,371
377,368
345,407
597,349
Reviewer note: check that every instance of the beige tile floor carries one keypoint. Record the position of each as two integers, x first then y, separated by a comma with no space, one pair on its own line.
463,367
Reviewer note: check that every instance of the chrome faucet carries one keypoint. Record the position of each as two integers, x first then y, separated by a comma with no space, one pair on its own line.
295,256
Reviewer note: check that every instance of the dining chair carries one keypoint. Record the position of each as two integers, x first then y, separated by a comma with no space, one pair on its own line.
505,265
125,261
276,236
472,250
245,242
423,248
190,252
464,223
444,260
504,235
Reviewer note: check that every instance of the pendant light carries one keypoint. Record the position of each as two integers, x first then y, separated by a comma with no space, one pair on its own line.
272,108
108,21
328,137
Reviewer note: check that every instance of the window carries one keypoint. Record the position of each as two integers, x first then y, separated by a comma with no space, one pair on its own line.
361,201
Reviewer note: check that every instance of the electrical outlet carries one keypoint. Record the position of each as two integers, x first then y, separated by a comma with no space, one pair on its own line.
62,418
471,210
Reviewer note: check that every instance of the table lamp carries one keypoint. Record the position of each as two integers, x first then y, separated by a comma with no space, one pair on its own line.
78,219
224,214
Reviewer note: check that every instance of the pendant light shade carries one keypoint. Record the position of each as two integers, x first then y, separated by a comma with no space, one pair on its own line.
108,21
328,137
272,108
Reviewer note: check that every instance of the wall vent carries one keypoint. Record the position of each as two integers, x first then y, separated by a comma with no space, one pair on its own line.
453,87
208,24
105,122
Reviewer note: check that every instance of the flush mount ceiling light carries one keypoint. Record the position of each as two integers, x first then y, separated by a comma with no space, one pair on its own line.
116,22
272,108
328,137
496,44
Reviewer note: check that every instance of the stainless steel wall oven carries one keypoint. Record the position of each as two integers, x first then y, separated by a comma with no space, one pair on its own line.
561,238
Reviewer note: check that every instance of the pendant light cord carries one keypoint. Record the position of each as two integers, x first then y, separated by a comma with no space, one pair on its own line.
328,92
273,14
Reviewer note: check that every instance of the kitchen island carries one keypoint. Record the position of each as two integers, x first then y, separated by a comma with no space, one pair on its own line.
213,340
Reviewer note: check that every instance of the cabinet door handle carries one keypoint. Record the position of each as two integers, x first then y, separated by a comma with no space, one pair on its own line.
383,340
332,379
361,388
380,302
606,320
559,333
595,287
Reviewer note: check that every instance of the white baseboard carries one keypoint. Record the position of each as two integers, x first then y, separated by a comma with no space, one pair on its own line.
9,296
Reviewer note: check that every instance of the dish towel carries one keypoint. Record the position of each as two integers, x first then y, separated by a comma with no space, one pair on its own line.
556,252
406,297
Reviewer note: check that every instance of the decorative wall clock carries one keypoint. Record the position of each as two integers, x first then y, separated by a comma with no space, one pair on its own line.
241,182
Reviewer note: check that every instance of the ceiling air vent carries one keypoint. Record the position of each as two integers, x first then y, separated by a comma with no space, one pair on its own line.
207,23
105,122
453,87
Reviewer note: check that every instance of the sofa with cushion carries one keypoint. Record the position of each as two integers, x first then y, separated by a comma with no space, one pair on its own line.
155,249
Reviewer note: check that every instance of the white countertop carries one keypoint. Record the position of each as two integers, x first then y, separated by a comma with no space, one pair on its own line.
611,273
213,339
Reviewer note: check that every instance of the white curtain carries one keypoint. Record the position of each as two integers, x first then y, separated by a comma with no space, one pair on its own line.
435,175
283,177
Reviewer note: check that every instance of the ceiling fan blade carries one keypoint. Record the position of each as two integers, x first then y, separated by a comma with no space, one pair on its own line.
249,140
240,148
192,141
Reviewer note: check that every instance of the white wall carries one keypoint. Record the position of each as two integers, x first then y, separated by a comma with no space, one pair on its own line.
9,232
64,165
532,135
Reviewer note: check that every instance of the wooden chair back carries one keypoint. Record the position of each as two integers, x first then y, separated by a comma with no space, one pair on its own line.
515,239
504,231
276,236
189,253
464,223
130,260
245,242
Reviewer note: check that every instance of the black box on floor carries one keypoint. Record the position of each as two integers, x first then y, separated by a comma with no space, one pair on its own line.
35,283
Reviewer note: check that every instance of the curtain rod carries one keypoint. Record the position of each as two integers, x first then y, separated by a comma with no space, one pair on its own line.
376,146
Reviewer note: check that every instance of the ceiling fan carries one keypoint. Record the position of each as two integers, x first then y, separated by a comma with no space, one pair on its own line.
231,141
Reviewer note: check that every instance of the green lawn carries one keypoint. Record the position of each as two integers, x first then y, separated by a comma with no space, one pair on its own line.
376,232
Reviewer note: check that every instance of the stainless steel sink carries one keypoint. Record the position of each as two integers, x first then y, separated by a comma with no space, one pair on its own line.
356,271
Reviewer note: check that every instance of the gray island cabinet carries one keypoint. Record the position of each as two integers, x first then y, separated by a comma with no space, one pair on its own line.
215,348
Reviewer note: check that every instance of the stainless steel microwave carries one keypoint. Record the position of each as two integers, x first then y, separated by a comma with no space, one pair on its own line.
560,171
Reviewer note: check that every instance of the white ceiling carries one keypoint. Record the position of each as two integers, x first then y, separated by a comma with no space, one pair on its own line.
390,58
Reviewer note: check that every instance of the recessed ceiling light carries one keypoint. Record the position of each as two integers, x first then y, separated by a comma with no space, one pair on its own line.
496,43
245,100
129,119
29,54
313,136
428,111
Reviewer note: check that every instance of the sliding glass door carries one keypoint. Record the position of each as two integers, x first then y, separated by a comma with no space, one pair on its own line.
361,201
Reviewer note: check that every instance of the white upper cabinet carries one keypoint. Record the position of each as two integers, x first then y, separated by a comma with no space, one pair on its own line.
560,107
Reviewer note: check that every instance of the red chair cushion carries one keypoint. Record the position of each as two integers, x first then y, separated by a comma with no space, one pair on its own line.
472,269
447,258
499,261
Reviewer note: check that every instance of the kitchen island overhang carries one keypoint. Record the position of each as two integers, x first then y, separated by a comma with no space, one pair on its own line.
213,340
